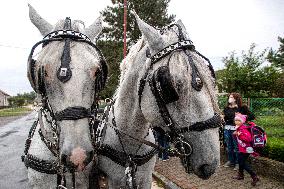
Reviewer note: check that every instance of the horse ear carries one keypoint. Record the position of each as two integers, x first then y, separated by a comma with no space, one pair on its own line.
153,36
42,25
95,29
183,30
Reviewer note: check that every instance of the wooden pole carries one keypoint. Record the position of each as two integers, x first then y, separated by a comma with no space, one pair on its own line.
124,28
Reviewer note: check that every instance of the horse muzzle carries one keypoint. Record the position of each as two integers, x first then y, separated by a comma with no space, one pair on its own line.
77,160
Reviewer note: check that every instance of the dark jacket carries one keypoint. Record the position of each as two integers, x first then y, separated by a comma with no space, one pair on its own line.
229,114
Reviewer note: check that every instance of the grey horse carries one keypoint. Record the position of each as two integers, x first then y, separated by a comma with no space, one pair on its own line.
134,111
63,136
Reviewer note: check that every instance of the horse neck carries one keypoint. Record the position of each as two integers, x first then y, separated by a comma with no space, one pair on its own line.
129,117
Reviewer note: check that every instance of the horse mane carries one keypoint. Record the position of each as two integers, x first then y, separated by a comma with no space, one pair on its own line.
208,80
129,59
127,62
76,25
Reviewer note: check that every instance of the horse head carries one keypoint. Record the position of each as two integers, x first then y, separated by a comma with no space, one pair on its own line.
177,93
68,73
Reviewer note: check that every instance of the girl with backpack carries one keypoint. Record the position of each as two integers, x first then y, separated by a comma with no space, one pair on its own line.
234,105
244,139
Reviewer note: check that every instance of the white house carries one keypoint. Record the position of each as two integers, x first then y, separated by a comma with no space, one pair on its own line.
4,99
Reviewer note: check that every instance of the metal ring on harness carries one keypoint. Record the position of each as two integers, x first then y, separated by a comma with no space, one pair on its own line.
182,148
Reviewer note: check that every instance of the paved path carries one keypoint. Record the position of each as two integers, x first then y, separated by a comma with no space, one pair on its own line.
173,170
13,172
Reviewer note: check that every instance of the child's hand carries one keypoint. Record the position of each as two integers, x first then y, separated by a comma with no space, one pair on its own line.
235,133
238,133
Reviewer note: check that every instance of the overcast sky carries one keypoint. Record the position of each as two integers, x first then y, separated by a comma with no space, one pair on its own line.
216,28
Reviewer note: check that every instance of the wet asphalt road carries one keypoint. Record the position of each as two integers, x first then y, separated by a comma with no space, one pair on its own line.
13,173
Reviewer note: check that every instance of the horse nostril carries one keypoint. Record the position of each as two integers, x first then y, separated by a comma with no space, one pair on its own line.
205,171
64,159
89,157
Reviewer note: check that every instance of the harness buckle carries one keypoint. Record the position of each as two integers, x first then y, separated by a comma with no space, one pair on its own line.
61,187
63,72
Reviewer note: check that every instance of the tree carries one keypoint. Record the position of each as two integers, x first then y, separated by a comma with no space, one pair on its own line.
277,57
22,99
113,53
248,75
153,12
111,43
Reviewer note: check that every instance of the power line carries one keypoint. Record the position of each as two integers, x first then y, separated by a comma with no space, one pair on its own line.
10,46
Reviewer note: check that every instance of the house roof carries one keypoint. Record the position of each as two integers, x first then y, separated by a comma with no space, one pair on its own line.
4,93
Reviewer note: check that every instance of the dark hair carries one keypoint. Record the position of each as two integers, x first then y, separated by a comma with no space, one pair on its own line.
237,97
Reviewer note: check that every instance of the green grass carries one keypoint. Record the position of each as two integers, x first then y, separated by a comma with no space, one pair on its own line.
14,111
273,125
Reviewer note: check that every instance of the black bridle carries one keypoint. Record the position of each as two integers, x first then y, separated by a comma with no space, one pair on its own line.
182,148
176,133
64,74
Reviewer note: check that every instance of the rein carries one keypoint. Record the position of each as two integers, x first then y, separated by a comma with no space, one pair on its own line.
129,161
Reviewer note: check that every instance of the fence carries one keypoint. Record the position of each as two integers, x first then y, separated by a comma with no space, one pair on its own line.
260,106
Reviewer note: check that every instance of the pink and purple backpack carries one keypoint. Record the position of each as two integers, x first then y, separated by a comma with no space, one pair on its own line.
259,137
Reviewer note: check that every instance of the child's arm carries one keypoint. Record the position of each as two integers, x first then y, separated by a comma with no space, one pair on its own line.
244,135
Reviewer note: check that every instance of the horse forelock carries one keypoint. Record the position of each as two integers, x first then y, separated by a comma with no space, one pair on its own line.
84,64
208,80
184,68
76,25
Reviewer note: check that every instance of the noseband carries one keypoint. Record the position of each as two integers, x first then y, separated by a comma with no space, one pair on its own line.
165,93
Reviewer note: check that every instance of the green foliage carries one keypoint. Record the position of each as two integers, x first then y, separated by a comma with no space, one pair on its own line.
248,76
111,43
22,99
113,52
277,57
274,127
14,111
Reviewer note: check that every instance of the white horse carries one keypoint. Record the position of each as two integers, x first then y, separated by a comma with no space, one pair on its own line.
185,94
67,75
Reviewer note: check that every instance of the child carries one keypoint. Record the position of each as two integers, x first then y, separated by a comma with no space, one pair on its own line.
244,139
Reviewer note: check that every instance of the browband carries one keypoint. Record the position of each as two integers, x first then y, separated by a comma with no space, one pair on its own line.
185,44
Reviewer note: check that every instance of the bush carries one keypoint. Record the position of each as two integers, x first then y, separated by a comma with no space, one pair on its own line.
22,99
274,149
